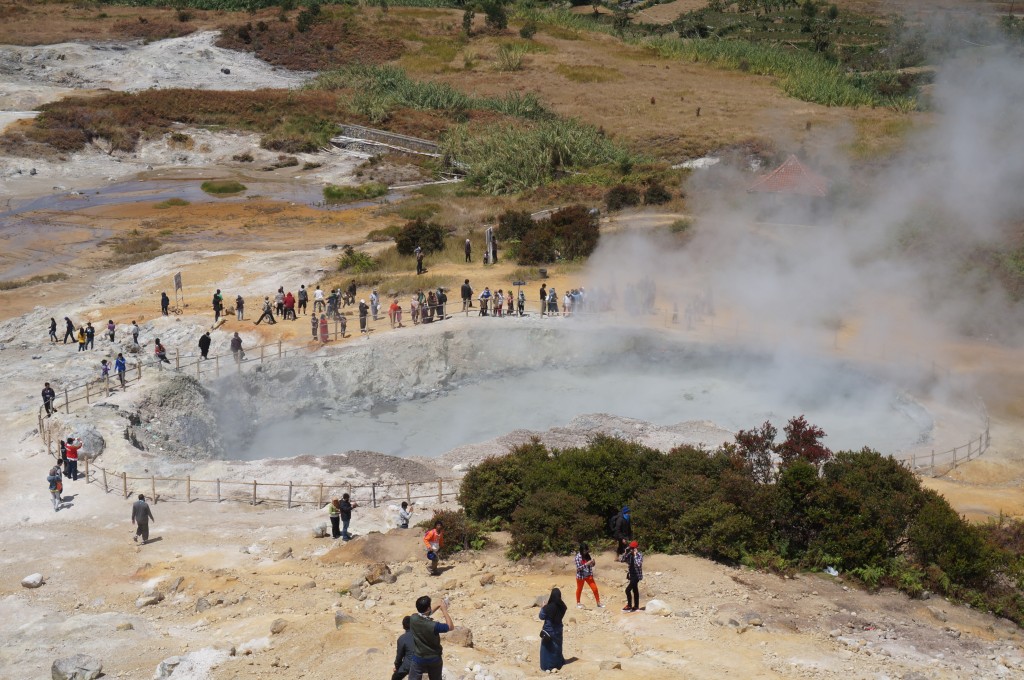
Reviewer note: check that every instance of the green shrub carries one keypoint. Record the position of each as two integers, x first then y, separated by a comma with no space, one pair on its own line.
621,196
427,235
656,194
551,521
577,231
528,30
385,234
222,187
495,15
350,194
513,225
459,532
509,58
171,203
538,246
356,262
940,537
494,488
680,226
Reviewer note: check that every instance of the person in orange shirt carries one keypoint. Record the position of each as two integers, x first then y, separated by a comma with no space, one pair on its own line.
434,539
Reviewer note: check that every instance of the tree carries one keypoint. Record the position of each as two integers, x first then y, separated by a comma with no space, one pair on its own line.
755,448
513,225
495,15
803,441
427,235
577,231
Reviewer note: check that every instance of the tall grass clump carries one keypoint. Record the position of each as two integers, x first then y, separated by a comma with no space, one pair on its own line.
510,58
222,187
804,75
348,194
503,159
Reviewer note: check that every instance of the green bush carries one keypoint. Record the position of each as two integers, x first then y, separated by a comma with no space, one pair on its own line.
528,30
513,225
427,235
656,194
351,194
577,231
538,246
940,537
495,15
621,196
222,187
551,521
493,489
355,262
460,533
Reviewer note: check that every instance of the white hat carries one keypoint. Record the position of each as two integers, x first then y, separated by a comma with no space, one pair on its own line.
363,301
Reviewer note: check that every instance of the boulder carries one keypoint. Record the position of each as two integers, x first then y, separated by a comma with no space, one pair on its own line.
322,530
202,604
77,667
609,665
149,599
165,668
487,579
934,611
463,637
658,608
278,626
92,441
33,581
284,555
376,573
341,618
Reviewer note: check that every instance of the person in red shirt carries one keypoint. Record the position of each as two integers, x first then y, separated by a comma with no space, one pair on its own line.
289,306
434,539
395,312
71,449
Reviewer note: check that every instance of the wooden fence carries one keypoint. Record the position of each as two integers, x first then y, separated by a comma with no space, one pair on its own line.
289,494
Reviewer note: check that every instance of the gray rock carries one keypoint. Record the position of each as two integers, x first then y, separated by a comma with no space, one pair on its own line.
93,443
177,584
77,667
341,618
125,626
149,600
308,585
278,626
33,581
321,530
376,573
609,665
937,613
166,667
202,604
284,555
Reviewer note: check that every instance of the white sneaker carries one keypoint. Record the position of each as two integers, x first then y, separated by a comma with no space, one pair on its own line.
579,606
600,605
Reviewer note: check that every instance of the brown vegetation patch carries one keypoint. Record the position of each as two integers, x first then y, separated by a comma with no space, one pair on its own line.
329,44
153,30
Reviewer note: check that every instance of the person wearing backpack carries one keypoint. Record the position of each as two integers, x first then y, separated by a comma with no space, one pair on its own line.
56,487
622,530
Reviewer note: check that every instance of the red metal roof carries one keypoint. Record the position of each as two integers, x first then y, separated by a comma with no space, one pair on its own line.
792,177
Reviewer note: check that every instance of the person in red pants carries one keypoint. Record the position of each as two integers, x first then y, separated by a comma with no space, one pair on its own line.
585,574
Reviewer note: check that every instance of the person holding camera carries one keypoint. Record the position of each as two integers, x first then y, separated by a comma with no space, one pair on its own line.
634,560
426,635
551,614
585,574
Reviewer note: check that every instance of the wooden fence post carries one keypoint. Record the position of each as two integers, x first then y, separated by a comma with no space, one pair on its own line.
218,489
88,389
86,461
373,494
67,403
262,347
440,494
105,488
216,365
152,488
124,483
254,492
408,493
279,348
933,461
188,488
320,498
138,371
289,495
177,360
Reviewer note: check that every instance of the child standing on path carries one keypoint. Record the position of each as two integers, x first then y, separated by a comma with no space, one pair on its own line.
585,574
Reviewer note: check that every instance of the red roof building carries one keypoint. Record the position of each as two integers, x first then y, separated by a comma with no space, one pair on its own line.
793,178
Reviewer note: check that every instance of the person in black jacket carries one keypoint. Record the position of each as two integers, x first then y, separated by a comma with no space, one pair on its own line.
204,344
622,530
165,303
53,329
48,396
403,655
69,329
364,309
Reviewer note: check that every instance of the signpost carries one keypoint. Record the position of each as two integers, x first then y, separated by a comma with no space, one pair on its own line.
179,293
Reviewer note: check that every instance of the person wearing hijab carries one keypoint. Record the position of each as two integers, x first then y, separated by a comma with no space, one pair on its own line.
551,633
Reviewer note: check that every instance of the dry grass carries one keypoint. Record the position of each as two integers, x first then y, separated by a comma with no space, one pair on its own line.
31,281
588,73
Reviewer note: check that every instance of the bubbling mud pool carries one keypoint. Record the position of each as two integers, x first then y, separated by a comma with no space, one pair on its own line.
664,386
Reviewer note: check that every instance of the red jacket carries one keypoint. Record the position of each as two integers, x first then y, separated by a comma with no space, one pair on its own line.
289,301
72,451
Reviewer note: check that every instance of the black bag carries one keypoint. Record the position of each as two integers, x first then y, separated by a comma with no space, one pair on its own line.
544,635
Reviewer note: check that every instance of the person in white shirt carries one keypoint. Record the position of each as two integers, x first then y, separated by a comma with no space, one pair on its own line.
318,300
404,515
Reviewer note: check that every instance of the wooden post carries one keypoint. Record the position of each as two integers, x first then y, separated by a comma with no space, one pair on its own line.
86,461
88,389
913,460
320,498
289,495
408,493
218,489
373,494
177,360
124,483
198,363
152,488
67,403
105,488
254,492
440,494
106,384
279,348
216,365
954,456
188,488
138,371
261,353
933,461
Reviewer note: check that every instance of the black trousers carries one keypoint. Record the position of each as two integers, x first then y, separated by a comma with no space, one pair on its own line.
633,593
266,315
335,528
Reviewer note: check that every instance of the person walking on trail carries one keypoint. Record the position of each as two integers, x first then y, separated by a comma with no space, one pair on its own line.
289,307
622,530
634,560
521,302
374,304
165,303
467,295
442,300
120,367
135,332
426,634
236,348
268,312
469,251
90,336
418,252
218,305
551,614
324,330
204,344
279,301
69,329
303,299
160,352
56,487
363,311
104,370
585,574
552,302
318,300
240,308
345,510
111,329
334,512
53,330
48,398
405,515
543,298
141,517
485,298
81,339
72,447
406,647
434,539
314,326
